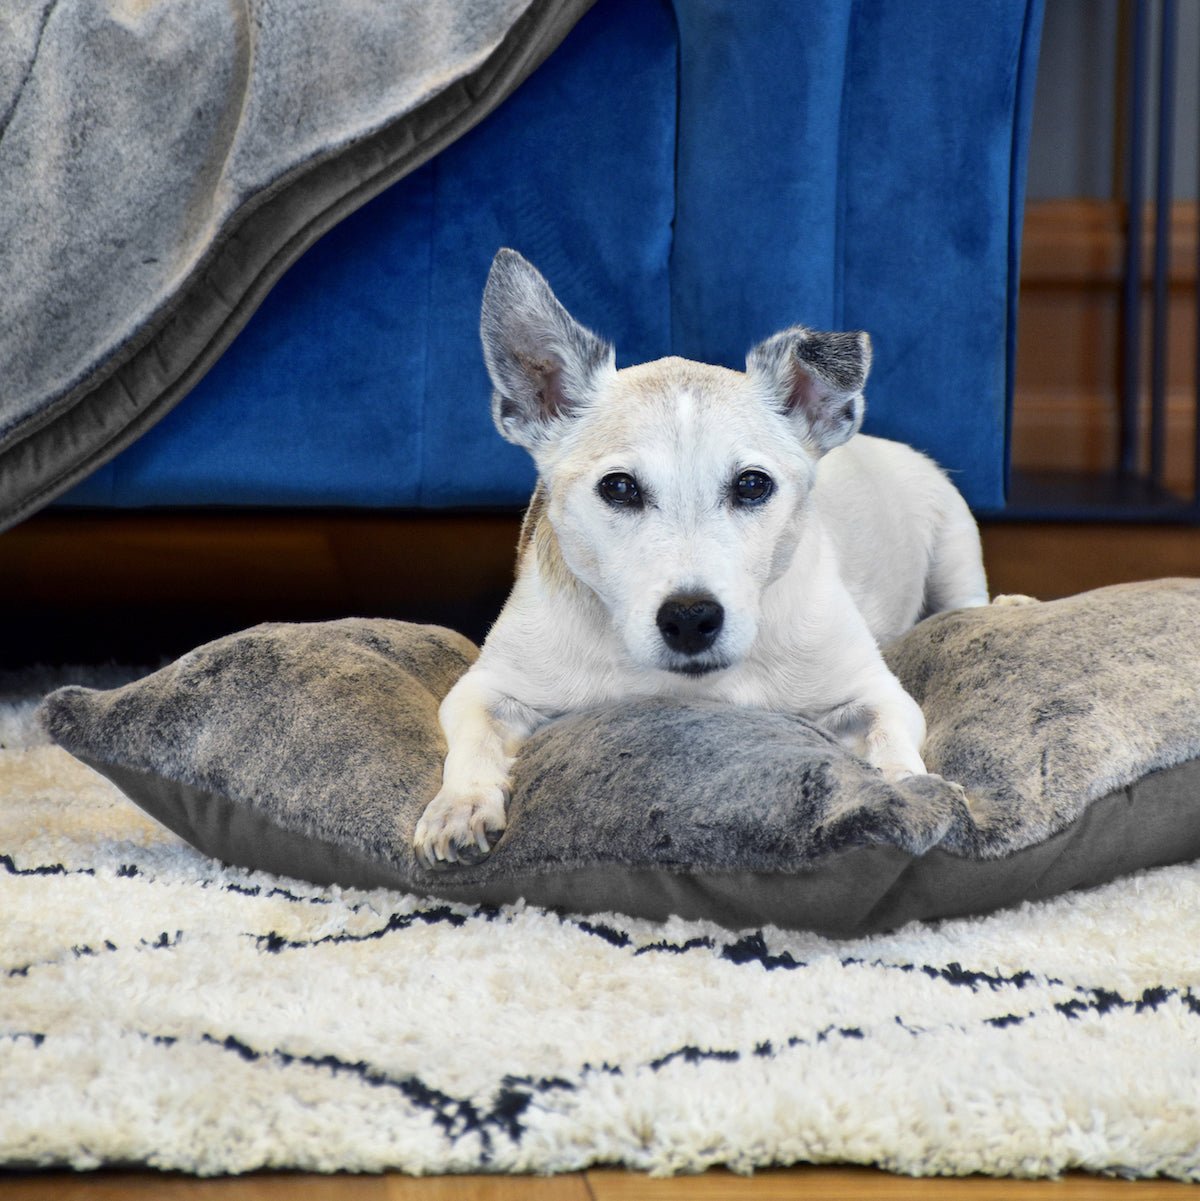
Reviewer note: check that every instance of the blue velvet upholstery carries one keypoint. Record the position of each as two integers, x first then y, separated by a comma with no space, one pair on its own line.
690,179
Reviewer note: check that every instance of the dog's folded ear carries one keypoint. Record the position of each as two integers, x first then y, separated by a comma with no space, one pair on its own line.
544,365
817,378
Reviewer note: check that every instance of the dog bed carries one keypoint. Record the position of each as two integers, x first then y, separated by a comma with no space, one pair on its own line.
310,750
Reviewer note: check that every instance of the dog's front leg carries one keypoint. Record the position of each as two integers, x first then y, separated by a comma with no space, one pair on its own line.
882,723
895,731
484,729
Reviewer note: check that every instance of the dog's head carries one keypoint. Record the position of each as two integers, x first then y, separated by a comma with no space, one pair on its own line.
677,491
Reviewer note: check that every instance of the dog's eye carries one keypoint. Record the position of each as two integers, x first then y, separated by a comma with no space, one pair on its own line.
752,487
620,489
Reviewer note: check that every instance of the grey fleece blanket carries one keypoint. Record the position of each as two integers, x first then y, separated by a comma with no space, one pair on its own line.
161,165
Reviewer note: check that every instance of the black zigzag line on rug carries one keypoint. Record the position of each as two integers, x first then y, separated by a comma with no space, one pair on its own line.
766,1048
763,1050
954,973
128,871
676,948
44,869
456,1116
752,948
164,942
276,892
1101,1002
601,930
79,952
275,943
256,890
1105,1001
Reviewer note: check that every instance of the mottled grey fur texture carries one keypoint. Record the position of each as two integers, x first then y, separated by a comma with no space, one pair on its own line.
1040,709
330,728
162,164
330,731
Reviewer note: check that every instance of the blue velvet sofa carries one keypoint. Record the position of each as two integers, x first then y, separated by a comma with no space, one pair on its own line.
690,177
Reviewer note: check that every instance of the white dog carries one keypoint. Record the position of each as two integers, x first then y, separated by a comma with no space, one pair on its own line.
696,532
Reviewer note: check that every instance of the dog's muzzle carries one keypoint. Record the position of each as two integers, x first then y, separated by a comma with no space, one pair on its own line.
690,624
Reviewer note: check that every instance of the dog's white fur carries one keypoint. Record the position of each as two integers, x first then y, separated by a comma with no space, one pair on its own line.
859,538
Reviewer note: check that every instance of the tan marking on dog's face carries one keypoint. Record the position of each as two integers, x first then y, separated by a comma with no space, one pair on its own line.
538,540
684,431
534,512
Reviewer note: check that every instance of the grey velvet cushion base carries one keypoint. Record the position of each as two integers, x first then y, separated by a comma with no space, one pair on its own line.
310,751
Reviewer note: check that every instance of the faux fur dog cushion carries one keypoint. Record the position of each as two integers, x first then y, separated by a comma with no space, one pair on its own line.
310,750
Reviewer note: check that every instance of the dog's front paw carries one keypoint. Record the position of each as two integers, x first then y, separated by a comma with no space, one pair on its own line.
1014,598
459,828
894,772
893,760
956,788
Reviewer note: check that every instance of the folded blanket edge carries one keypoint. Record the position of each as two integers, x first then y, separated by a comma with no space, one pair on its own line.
89,424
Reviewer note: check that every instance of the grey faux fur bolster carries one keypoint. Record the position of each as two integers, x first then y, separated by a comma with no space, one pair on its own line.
1040,709
312,749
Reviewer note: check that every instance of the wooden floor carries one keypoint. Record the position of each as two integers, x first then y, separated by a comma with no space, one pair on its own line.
243,570
811,1184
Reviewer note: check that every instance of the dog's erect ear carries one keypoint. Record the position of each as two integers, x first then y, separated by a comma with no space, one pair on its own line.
817,378
543,363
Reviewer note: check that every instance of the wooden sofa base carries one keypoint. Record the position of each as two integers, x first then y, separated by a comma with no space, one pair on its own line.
136,585
139,585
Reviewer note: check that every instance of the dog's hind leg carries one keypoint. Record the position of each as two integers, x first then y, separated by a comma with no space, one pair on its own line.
956,578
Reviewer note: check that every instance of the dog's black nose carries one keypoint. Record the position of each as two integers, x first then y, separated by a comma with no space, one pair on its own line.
690,624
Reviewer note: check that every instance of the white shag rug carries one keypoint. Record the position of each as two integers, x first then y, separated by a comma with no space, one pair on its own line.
157,1008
